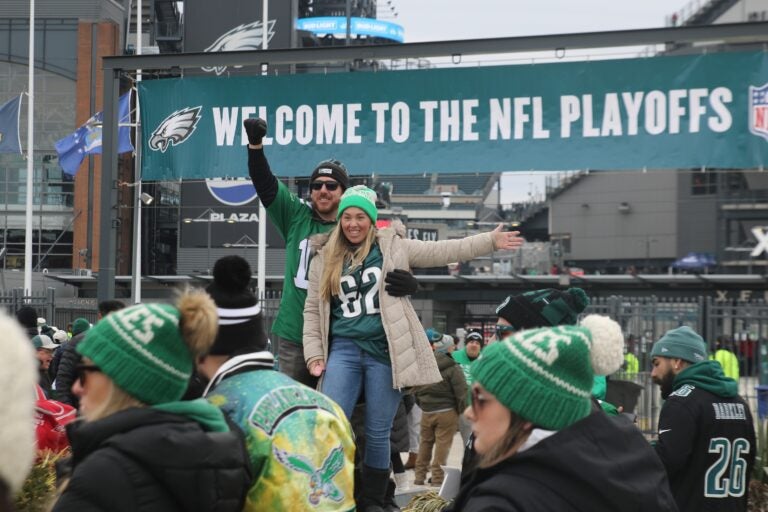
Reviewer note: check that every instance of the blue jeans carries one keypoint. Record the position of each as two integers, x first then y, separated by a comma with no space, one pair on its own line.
348,369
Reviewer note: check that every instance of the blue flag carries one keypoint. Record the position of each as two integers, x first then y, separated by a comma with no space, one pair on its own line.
9,126
87,139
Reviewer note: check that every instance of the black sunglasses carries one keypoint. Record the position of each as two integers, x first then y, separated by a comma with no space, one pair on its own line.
503,330
83,369
478,400
329,185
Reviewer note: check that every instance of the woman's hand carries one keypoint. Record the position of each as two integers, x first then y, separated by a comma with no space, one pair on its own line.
316,368
506,240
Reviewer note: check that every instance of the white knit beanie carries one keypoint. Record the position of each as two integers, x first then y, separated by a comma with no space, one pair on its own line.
17,403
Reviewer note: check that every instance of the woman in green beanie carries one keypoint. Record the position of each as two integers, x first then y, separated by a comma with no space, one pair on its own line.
542,446
138,448
377,343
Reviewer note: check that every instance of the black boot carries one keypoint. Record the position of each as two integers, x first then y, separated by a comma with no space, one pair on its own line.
374,489
390,505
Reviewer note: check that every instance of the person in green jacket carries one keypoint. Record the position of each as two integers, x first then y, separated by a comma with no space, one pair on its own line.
473,345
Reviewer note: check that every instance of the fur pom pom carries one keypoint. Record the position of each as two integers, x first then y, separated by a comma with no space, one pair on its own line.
17,382
607,352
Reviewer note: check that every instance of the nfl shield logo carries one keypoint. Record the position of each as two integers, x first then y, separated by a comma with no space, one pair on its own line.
758,111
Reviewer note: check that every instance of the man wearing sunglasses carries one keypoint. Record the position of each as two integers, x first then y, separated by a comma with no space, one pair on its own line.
296,221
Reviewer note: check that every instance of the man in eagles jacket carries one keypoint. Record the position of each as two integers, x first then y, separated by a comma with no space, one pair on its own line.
706,435
299,441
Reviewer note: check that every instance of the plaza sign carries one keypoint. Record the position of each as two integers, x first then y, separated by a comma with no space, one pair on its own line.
706,111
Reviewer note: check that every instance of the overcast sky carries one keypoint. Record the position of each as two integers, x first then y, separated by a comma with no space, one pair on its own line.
435,20
439,20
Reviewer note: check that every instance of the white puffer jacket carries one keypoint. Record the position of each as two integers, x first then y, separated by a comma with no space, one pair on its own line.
413,362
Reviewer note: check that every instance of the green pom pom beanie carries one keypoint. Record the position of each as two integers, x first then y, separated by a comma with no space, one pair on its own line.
545,375
142,350
361,197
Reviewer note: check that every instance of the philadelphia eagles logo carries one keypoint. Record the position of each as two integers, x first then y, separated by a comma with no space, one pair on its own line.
175,129
244,37
320,480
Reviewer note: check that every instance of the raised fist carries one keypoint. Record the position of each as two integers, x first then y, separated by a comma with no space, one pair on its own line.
256,129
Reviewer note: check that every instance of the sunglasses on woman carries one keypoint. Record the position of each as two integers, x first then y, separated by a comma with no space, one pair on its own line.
330,186
504,330
478,400
82,371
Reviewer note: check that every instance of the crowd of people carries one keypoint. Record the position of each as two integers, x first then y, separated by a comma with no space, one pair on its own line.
180,406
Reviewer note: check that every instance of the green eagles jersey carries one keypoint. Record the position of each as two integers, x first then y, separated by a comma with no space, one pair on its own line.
295,221
356,314
461,357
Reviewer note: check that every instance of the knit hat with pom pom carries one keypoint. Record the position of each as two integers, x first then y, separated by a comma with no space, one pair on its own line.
543,308
17,382
546,375
148,350
241,324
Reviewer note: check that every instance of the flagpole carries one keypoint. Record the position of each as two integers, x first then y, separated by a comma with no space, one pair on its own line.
261,268
136,277
30,153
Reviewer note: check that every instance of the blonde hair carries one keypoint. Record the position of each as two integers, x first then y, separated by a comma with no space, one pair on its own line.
337,252
117,400
199,320
517,433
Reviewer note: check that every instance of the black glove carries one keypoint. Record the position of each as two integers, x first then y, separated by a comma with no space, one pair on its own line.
400,283
256,128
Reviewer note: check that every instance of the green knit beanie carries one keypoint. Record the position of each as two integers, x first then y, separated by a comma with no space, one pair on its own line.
80,325
361,197
545,375
142,350
683,343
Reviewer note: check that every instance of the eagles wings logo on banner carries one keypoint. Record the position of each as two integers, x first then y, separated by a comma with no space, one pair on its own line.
244,37
758,111
175,129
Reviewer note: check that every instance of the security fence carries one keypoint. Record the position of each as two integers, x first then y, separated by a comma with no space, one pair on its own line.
42,301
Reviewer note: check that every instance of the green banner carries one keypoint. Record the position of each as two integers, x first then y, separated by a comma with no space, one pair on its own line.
707,111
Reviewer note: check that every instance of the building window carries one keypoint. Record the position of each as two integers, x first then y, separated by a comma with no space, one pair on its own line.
703,183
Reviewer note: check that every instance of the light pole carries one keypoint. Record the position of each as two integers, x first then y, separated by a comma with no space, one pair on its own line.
648,242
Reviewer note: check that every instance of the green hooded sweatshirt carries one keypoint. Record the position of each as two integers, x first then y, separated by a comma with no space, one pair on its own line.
709,376
208,416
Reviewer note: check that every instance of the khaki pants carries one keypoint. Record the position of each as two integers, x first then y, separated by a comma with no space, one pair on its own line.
438,429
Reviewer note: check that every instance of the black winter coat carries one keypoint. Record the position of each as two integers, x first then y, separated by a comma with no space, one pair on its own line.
597,464
66,371
143,459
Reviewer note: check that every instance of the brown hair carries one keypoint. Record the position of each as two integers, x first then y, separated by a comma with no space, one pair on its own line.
517,433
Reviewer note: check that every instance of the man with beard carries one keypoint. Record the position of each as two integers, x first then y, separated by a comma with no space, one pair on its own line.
296,221
44,348
706,435
473,344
